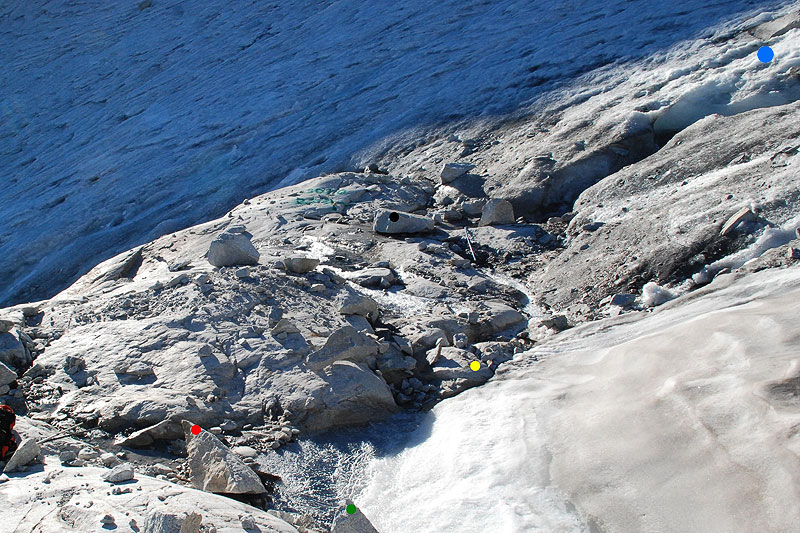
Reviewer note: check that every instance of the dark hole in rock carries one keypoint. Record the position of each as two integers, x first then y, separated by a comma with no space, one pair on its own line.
394,217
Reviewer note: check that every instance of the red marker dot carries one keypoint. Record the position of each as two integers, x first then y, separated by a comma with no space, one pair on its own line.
195,429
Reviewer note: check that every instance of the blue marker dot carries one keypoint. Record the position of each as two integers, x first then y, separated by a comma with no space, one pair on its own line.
765,54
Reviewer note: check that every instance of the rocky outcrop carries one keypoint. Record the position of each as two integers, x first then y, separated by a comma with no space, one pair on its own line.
231,249
215,468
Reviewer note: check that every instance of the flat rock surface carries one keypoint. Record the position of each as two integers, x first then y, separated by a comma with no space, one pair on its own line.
82,499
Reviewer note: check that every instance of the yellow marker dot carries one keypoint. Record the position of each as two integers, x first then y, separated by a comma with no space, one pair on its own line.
475,365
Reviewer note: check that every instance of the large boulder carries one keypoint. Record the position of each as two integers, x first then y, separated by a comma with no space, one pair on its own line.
230,249
497,212
300,265
354,395
27,452
344,343
391,222
215,468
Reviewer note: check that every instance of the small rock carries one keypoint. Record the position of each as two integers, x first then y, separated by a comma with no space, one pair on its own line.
248,522
300,265
460,340
215,468
67,456
497,212
87,454
140,369
452,171
108,459
228,425
793,253
118,474
556,322
245,451
592,226
243,272
107,520
357,304
231,249
623,300
318,288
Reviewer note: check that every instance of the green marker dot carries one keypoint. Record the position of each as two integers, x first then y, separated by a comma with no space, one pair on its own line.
351,509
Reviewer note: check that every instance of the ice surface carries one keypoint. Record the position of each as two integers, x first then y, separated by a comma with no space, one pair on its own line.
119,123
683,419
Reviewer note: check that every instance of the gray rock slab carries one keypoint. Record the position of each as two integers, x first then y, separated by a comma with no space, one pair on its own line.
391,222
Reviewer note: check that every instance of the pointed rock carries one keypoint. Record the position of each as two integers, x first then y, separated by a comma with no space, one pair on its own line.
215,468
